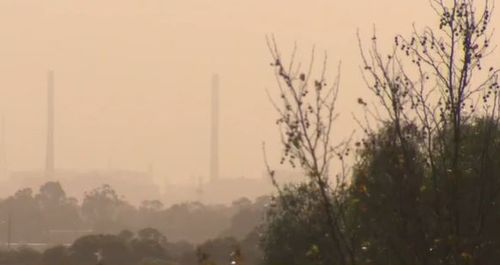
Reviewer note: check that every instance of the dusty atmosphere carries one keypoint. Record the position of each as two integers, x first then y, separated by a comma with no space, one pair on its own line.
277,132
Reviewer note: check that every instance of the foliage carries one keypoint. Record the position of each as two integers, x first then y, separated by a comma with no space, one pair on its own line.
248,215
425,183
432,81
216,251
104,209
22,256
306,114
114,249
295,231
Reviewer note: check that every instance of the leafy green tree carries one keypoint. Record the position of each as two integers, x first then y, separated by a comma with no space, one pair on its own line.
398,217
433,81
387,202
295,232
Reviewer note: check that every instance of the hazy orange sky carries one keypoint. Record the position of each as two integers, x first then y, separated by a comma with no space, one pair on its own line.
132,77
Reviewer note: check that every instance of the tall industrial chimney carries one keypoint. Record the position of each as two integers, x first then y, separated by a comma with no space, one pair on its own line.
214,140
49,163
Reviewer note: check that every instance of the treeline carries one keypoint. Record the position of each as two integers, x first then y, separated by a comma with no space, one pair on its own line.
105,225
50,216
146,247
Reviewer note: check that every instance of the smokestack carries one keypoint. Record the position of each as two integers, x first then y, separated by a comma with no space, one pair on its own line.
214,140
49,163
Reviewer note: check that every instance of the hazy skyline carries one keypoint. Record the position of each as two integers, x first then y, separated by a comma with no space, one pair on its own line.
133,78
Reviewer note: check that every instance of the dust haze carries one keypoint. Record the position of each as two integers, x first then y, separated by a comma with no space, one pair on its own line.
155,132
133,79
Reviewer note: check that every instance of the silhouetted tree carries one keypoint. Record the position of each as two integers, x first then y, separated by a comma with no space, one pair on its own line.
436,103
59,211
23,214
56,255
105,210
22,256
306,115
248,215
